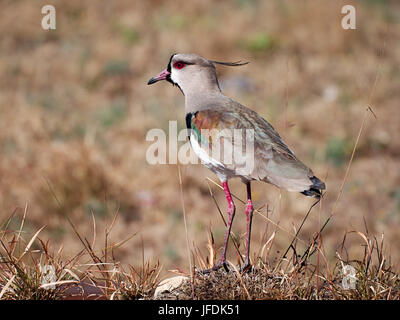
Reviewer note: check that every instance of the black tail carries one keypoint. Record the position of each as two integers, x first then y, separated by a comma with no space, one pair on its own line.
316,188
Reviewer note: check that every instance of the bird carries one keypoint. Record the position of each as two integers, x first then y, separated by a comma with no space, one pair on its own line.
208,109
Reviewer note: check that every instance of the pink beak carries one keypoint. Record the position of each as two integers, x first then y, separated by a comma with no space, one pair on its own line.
162,76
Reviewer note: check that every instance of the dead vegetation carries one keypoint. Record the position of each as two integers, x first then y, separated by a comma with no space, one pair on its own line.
30,270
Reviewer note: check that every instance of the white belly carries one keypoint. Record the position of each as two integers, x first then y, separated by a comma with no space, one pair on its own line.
214,165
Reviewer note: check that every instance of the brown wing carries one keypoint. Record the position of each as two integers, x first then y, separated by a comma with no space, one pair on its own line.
274,162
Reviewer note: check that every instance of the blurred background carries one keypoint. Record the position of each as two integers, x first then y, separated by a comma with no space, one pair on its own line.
75,110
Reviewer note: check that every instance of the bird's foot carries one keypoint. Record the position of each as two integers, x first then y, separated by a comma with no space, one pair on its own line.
215,268
246,268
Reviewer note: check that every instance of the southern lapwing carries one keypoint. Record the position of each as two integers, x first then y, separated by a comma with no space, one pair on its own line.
207,109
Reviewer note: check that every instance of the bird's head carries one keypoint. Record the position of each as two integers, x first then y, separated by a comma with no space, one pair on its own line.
191,72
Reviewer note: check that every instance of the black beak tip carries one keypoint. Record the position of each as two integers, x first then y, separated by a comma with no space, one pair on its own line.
151,81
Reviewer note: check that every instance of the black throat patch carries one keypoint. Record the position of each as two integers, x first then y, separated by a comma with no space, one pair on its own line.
189,117
168,78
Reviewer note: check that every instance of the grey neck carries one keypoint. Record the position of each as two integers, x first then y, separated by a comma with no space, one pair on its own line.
204,99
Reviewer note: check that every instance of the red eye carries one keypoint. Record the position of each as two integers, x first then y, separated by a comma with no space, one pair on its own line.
179,65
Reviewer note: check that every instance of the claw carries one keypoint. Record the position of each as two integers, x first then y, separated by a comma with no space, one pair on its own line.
215,268
246,268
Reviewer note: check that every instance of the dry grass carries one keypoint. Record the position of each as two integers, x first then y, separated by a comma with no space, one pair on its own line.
300,283
90,275
29,270
75,109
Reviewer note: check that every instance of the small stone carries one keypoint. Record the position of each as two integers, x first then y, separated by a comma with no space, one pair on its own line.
170,284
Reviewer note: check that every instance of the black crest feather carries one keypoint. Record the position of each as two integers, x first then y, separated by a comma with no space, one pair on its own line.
230,64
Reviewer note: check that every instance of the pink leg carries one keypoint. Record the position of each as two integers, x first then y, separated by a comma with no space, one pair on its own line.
231,215
249,218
